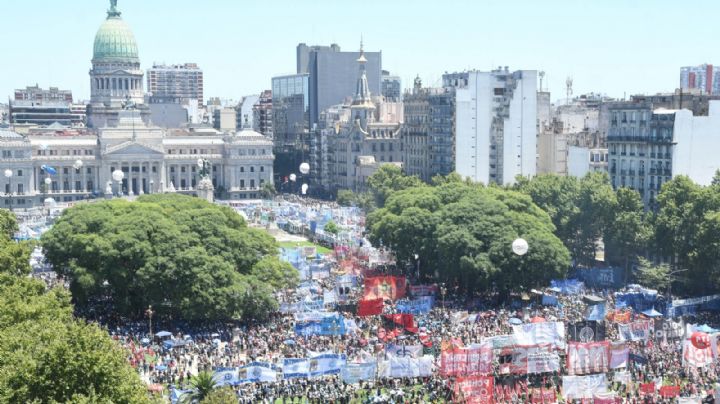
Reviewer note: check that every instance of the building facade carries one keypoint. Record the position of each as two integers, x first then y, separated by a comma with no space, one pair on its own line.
176,83
262,114
67,166
496,124
34,106
705,78
391,87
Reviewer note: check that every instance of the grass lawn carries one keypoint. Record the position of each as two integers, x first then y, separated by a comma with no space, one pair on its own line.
291,244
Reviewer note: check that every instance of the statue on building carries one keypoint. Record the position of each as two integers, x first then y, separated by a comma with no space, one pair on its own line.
205,188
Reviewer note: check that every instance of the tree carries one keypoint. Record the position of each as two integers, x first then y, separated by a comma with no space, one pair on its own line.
15,256
465,232
202,385
278,274
331,227
345,197
267,191
8,223
387,179
653,276
628,232
223,395
182,255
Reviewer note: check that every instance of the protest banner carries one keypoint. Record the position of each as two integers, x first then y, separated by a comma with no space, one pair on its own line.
587,357
543,362
543,396
551,332
226,377
475,360
579,387
255,372
695,357
326,364
638,330
396,367
618,355
411,351
370,307
586,331
420,305
424,290
385,287
330,325
475,389
669,391
647,388
356,372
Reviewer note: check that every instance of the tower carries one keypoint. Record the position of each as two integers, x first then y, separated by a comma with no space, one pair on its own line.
362,107
115,77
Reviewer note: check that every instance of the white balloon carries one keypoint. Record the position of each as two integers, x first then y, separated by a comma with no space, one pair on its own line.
118,175
293,177
8,173
304,168
48,181
520,246
304,188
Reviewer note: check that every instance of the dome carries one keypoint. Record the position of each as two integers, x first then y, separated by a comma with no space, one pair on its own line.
115,41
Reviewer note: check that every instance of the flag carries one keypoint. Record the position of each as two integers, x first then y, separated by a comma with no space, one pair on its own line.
385,287
370,307
226,377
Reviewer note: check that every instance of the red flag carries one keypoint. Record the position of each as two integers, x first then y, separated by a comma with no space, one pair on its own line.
669,391
370,307
647,388
475,389
385,287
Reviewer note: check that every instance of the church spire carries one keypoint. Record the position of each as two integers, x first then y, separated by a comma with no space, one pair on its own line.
362,91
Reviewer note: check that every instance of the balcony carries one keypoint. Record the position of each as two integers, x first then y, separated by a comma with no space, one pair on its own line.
668,155
641,173
613,170
667,172
653,171
623,172
631,172
652,155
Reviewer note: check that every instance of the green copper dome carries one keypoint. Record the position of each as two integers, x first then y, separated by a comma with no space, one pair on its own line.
114,40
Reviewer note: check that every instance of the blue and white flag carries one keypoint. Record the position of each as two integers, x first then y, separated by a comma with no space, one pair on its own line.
404,351
295,367
595,312
176,395
420,305
355,372
257,372
326,364
332,325
397,367
226,377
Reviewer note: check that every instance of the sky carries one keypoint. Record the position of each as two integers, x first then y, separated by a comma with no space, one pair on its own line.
615,47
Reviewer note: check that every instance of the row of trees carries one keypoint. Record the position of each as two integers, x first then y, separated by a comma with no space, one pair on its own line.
186,257
46,355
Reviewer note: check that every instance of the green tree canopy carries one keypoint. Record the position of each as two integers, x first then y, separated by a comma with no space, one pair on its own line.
182,255
465,232
387,179
8,223
628,232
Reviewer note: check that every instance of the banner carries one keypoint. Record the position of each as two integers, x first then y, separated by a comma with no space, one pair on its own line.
618,355
226,377
601,278
476,360
404,351
619,316
551,332
568,286
587,357
385,287
622,376
330,325
681,307
475,389
424,290
257,372
420,305
397,367
543,362
578,387
356,372
500,341
638,330
326,364
595,312
647,388
370,307
543,396
549,300
295,367
669,391
406,321
694,357
586,331
607,398
519,358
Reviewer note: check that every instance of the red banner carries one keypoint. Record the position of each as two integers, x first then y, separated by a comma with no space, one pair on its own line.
475,389
587,358
647,388
370,307
669,391
543,395
385,287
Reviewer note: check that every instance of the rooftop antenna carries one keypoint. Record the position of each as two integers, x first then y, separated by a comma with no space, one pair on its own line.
542,76
568,86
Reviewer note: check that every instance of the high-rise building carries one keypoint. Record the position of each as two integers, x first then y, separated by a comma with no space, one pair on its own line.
38,107
705,78
496,124
245,110
290,110
331,74
262,114
176,83
391,87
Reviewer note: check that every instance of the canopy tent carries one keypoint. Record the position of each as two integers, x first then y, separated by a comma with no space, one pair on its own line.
652,313
163,334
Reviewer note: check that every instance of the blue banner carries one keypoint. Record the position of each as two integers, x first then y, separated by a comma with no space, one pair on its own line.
596,312
549,300
226,377
326,364
421,305
639,301
601,277
568,286
257,372
295,367
331,325
682,307
356,372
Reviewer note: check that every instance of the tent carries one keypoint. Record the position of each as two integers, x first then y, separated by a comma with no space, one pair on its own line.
652,313
163,334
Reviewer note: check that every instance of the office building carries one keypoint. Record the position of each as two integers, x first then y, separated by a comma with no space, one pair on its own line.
244,110
705,78
177,84
496,124
262,114
391,87
34,106
332,73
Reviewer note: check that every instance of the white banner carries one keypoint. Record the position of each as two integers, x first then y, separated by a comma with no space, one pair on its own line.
257,372
397,367
575,387
355,372
226,376
622,376
584,358
619,353
552,332
543,362
694,357
404,351
638,330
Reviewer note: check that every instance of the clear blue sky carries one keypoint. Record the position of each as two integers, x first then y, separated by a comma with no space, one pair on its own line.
608,46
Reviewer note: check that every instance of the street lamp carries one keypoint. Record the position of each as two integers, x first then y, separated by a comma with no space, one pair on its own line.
8,174
417,266
149,312
48,182
118,176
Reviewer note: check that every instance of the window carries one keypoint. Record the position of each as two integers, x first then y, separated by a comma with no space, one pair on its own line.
242,169
252,169
65,170
20,189
7,154
242,183
252,183
262,169
19,173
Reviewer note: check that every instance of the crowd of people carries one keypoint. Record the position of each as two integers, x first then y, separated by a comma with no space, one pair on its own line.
168,361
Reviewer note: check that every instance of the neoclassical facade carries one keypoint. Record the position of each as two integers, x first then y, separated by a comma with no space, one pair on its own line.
70,165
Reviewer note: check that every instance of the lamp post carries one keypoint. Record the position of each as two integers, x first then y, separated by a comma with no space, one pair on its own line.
8,174
417,266
47,182
149,312
118,176
443,291
77,165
